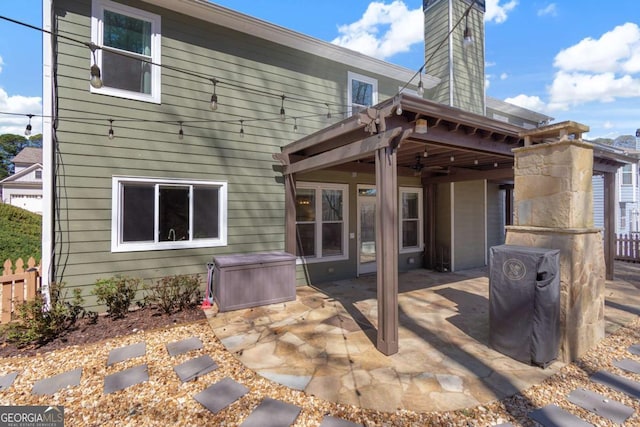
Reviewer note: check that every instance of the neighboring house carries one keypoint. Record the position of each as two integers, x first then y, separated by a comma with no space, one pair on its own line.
24,188
148,181
627,214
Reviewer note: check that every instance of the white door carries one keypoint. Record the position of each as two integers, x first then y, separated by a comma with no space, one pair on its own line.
366,230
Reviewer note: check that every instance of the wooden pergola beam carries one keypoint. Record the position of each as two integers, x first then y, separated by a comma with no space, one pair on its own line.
344,154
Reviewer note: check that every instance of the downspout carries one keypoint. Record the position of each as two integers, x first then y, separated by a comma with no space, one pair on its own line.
451,53
48,94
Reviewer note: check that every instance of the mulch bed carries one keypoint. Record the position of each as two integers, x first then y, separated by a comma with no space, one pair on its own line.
86,331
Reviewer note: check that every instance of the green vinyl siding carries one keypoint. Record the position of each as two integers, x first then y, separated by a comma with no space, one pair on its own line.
469,224
461,70
146,142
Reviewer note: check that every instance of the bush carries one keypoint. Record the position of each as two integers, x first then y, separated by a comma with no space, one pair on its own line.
175,293
36,326
117,293
20,232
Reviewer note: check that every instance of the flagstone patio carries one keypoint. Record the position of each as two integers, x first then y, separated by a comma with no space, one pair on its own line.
324,342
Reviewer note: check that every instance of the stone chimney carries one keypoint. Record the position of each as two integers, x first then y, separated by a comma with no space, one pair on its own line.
459,65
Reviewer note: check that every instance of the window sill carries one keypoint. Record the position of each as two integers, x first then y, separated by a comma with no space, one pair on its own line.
164,246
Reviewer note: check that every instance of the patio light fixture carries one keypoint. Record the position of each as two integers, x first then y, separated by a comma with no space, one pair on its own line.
282,113
27,130
468,36
96,76
214,98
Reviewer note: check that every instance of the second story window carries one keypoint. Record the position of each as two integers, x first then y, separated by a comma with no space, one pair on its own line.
362,92
627,175
131,41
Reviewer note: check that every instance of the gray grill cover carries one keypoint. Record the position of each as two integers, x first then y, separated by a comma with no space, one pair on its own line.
524,303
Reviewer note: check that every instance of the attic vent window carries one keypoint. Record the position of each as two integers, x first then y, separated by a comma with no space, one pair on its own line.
130,40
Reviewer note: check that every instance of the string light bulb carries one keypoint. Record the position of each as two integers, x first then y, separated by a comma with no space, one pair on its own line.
27,130
283,116
214,97
420,84
328,111
96,76
399,110
241,128
180,132
468,37
295,124
111,133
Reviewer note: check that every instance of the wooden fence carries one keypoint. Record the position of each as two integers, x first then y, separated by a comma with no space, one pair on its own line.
17,285
628,247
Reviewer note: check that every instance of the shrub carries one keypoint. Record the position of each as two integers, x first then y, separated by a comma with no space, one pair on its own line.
20,232
117,293
175,293
36,326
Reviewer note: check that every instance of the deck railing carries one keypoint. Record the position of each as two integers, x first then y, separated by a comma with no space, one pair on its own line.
628,247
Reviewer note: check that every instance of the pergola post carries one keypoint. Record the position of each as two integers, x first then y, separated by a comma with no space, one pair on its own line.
610,223
387,249
290,214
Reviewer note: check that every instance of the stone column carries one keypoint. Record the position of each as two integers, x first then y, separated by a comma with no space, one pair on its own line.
554,209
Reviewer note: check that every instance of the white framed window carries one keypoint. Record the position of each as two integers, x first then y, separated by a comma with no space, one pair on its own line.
150,214
131,40
410,219
627,174
321,221
362,92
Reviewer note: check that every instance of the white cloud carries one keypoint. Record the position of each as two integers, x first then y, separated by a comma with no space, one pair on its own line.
603,69
497,12
571,89
551,10
504,76
384,30
530,102
19,106
617,50
608,125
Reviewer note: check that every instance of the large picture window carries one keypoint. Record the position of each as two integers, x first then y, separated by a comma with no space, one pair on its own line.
155,214
410,219
362,92
321,212
131,42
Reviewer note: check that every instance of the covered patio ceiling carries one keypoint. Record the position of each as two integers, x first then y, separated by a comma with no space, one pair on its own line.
456,146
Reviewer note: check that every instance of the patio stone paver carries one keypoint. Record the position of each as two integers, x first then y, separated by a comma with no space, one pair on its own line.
555,416
221,394
272,413
126,378
179,347
128,352
329,421
7,380
617,382
634,349
628,365
324,344
600,405
53,384
194,368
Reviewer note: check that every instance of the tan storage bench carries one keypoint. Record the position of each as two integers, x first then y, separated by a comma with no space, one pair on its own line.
250,280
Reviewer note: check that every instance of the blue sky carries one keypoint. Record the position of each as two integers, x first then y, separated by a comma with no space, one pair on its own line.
573,60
